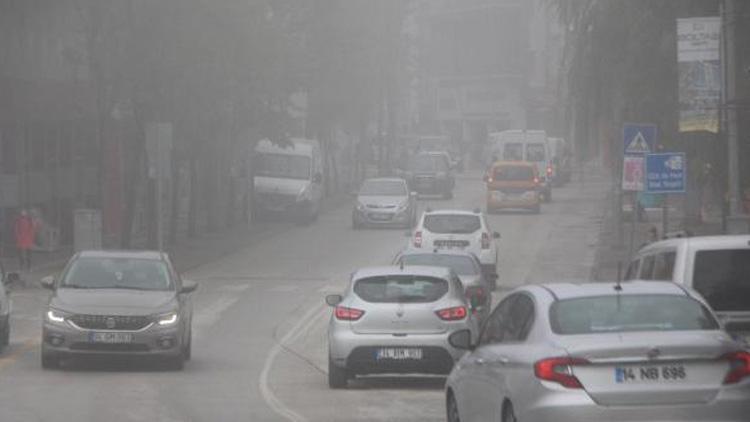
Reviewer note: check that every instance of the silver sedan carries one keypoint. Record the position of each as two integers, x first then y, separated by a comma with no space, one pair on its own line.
396,320
384,202
639,351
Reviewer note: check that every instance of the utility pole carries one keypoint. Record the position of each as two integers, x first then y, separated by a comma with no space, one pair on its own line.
729,19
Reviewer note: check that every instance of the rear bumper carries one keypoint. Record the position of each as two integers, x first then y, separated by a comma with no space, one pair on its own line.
431,186
574,406
357,352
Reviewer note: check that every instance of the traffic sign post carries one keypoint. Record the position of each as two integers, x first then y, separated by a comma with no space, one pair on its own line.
665,174
638,139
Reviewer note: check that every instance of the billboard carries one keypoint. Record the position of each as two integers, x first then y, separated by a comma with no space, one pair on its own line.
699,66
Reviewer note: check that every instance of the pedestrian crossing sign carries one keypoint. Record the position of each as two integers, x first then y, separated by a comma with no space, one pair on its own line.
638,139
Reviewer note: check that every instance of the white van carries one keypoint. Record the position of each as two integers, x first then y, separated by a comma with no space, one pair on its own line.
718,267
288,179
525,145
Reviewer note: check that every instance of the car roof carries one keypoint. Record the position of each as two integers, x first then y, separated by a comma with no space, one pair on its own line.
452,212
703,242
562,291
421,251
151,255
297,146
418,270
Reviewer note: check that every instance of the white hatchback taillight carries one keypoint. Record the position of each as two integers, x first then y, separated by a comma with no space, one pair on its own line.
348,314
456,313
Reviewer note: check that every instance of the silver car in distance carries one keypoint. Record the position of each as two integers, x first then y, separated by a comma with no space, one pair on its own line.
636,351
397,320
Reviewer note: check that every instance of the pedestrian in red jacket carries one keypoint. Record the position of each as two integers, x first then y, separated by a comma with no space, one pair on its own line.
24,229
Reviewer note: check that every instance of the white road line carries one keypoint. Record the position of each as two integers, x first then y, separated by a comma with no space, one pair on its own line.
268,396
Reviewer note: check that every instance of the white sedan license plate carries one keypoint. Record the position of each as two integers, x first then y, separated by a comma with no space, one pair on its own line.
639,374
109,337
393,353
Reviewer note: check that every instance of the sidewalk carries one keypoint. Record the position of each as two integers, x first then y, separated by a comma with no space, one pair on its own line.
187,255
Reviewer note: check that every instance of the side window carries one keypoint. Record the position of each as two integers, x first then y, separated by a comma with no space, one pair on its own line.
521,320
647,268
632,272
494,328
664,266
458,286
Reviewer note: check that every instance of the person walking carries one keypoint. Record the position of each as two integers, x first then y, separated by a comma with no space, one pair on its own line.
24,230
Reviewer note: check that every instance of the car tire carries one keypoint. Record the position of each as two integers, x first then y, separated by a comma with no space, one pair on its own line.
337,377
451,409
509,415
50,361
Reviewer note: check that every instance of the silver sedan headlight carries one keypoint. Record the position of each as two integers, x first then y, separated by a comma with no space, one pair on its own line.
55,316
167,319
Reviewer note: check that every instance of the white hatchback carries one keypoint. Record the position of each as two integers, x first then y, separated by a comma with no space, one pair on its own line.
459,230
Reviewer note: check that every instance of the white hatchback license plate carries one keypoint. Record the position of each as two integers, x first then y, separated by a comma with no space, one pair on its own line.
639,374
111,338
399,354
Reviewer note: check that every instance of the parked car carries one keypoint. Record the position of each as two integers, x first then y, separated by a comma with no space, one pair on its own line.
396,320
458,230
718,267
636,351
468,268
430,173
118,303
513,185
384,202
288,179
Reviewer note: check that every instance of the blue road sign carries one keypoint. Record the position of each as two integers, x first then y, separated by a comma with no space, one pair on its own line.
638,139
666,173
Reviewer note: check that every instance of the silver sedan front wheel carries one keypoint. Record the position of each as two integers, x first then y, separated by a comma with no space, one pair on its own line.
452,409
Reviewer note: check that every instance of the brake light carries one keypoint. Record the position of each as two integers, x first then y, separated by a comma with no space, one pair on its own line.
549,170
536,180
348,314
739,367
456,313
559,370
485,241
418,239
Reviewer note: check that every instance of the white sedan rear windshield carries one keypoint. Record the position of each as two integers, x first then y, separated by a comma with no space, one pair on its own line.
452,223
627,313
401,289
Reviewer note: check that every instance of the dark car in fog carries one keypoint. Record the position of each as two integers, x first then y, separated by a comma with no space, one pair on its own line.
430,173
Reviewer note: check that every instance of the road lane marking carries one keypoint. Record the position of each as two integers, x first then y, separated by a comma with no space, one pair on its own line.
268,395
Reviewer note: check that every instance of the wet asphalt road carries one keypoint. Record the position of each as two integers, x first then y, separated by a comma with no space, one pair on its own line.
259,347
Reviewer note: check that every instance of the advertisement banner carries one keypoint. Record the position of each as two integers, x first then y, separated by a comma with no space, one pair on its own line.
699,66
632,173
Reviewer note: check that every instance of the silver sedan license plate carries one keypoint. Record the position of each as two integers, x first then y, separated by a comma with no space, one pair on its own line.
640,374
399,353
110,337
